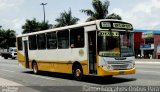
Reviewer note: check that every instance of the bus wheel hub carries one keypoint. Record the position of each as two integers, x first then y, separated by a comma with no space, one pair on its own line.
78,72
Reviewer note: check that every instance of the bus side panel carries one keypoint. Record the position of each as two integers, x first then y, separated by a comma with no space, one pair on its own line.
44,66
60,60
21,58
63,68
60,66
54,66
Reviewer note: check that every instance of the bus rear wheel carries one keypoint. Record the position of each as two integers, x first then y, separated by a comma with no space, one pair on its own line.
78,73
35,68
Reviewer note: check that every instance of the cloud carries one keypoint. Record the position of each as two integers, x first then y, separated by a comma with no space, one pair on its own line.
9,20
144,15
15,24
9,4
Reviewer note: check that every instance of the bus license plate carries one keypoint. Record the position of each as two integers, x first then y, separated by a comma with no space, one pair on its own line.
121,72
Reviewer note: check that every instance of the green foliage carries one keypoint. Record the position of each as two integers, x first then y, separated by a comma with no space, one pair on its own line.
100,10
66,19
114,16
7,38
34,25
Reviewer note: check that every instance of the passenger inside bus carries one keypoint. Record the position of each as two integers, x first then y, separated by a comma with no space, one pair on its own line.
126,42
78,42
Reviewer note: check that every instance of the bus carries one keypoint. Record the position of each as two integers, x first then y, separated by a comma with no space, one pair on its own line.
101,48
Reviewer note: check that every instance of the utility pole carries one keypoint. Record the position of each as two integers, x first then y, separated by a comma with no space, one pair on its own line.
44,10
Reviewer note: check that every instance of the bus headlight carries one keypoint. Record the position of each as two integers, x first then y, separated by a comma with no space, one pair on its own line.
108,67
130,66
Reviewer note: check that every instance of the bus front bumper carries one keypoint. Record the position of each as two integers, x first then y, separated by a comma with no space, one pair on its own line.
102,72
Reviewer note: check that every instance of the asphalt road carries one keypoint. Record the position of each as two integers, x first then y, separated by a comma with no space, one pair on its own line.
11,73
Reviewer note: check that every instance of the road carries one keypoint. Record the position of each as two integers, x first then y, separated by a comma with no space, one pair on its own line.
12,74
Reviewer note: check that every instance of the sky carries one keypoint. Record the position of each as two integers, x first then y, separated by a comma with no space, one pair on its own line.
143,14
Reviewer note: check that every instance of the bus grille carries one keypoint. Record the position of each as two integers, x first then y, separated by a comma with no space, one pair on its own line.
119,62
119,67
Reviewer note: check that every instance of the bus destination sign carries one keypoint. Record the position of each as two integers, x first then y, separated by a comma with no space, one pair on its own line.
115,25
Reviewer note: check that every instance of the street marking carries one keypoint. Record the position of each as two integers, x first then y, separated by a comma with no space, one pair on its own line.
42,77
7,70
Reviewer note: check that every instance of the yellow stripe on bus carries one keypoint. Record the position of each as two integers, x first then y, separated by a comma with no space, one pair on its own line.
54,65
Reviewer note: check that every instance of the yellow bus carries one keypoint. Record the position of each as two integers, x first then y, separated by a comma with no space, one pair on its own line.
101,48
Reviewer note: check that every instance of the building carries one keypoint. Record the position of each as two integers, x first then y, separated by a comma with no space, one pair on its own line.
147,43
137,42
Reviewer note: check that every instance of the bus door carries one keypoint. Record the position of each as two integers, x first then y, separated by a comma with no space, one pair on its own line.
92,52
26,53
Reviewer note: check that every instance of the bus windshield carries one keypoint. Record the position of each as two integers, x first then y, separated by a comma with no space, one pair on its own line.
114,44
126,44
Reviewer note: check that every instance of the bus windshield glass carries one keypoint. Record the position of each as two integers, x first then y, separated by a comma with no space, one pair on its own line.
114,43
126,44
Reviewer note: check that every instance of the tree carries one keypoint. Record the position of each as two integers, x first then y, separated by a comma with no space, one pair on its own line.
66,19
114,16
100,10
1,35
44,25
7,38
34,25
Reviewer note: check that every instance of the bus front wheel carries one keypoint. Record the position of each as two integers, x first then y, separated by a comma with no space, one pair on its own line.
78,73
35,68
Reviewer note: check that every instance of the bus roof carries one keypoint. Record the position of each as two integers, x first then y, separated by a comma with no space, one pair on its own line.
69,27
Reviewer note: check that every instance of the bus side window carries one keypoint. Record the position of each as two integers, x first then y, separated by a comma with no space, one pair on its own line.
41,40
51,40
77,38
63,39
32,42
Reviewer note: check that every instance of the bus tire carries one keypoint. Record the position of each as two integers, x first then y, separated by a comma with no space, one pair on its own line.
77,73
35,68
